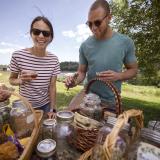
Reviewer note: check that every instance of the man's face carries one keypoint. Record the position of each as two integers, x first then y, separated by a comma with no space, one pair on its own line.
98,22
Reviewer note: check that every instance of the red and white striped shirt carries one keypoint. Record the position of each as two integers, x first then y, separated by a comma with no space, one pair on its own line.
37,90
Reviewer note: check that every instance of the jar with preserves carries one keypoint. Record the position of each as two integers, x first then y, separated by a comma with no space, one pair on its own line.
64,131
91,107
146,147
48,128
22,118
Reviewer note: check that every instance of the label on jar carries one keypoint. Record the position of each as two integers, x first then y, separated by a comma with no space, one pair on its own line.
30,118
148,152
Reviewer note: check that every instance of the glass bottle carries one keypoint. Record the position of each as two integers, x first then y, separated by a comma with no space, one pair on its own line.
64,134
146,147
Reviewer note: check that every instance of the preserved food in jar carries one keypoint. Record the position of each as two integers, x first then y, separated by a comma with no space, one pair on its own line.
91,107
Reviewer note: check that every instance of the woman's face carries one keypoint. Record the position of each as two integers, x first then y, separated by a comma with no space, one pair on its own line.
40,34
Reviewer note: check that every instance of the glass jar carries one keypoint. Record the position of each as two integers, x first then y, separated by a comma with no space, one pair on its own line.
123,140
146,147
46,149
91,107
22,118
154,125
48,128
64,133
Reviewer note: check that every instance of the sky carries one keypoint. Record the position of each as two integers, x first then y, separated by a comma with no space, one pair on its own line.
68,18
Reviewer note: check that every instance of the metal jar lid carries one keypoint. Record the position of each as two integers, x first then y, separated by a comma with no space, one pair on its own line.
65,116
46,148
154,125
112,121
151,135
49,122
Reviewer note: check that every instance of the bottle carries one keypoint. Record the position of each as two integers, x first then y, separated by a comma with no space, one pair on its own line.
146,146
64,133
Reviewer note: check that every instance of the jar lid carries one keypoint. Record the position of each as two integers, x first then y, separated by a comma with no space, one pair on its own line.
112,120
49,122
65,116
155,125
46,148
151,135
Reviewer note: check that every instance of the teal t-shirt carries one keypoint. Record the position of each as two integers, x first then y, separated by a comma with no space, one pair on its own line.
102,55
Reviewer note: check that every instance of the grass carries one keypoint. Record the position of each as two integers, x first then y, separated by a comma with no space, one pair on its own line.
146,98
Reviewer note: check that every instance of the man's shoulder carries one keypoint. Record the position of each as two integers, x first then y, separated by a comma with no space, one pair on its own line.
122,37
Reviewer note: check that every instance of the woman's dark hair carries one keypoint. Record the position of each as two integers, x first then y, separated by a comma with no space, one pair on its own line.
45,20
101,3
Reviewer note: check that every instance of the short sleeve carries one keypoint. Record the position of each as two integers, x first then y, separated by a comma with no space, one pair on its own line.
82,58
57,69
14,67
130,52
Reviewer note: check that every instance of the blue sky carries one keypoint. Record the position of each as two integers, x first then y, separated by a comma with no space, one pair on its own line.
67,16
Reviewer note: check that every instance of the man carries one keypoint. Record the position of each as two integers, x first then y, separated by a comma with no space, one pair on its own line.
104,52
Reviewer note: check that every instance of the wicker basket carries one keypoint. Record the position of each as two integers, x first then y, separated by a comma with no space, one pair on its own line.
106,151
34,135
85,138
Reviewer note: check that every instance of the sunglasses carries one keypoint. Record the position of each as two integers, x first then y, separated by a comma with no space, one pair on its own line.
37,32
97,23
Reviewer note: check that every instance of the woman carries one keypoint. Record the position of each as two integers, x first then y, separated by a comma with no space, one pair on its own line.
39,88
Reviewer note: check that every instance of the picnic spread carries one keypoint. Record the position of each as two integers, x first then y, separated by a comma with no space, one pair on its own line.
87,130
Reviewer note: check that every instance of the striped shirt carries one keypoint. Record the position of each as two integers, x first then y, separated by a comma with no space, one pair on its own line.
37,90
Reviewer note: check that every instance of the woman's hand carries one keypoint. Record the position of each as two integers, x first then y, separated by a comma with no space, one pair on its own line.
27,76
4,93
51,115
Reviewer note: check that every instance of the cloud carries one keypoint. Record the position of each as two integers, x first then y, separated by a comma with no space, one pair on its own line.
81,33
6,47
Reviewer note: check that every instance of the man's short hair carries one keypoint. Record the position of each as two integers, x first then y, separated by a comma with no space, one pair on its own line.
101,3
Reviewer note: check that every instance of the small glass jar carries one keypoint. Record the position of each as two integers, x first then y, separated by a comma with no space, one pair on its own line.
91,107
154,125
48,128
46,149
145,146
123,140
64,133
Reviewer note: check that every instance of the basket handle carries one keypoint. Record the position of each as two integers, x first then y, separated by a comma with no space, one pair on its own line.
112,136
121,121
114,90
27,104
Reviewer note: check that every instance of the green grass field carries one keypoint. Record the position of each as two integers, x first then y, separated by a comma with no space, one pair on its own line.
146,98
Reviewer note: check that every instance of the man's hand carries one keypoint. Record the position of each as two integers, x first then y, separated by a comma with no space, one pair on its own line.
70,81
109,75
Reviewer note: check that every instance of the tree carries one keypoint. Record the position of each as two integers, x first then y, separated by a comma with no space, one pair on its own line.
140,19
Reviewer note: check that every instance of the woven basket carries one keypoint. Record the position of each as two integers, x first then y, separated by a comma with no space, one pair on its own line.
26,155
85,138
106,151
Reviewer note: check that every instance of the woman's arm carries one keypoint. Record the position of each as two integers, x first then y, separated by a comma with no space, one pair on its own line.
52,93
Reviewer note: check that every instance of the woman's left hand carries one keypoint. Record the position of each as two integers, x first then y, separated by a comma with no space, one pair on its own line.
51,115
